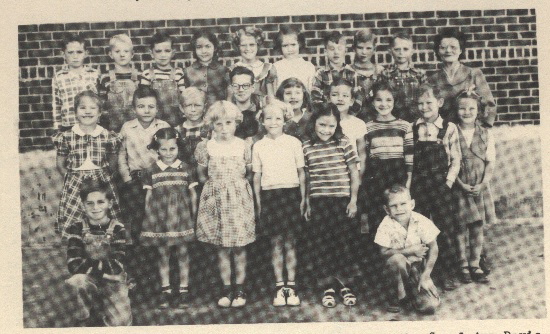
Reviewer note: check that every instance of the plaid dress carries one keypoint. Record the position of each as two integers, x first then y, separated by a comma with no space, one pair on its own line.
80,148
226,209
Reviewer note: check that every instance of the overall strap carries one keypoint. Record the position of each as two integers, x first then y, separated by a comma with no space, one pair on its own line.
443,130
111,227
415,132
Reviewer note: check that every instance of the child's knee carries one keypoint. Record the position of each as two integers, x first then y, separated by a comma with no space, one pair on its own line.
425,303
78,281
397,262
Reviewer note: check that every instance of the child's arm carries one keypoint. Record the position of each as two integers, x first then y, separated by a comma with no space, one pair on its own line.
408,153
61,162
487,98
354,176
303,190
307,214
123,167
419,250
203,174
425,281
455,154
112,158
362,152
57,103
257,185
114,266
487,176
271,84
192,202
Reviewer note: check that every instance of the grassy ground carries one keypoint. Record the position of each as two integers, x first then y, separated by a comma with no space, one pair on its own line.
516,291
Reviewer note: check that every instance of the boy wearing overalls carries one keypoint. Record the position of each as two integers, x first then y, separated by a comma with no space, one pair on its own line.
435,169
95,257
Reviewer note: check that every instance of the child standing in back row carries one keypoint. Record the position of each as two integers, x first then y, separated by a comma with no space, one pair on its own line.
226,208
164,78
118,85
475,201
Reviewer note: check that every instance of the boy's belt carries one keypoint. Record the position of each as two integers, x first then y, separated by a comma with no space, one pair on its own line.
136,175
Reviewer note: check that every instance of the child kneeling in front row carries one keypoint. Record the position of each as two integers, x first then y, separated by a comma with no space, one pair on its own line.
408,242
95,256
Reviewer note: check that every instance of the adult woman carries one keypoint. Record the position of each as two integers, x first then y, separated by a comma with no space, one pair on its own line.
454,77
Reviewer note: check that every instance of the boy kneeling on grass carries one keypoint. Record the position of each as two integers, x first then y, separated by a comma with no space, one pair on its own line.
95,254
408,242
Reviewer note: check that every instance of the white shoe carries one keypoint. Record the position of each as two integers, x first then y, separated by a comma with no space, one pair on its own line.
291,298
226,301
240,299
280,297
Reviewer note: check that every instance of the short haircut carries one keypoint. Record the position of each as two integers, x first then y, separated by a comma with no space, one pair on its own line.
334,36
276,104
142,92
240,70
257,33
342,82
120,38
88,93
450,33
382,85
400,35
395,189
209,35
166,133
320,110
426,88
73,37
222,109
161,37
364,36
291,83
191,92
289,30
90,185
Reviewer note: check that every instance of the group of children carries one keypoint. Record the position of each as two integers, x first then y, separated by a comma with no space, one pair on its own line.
225,156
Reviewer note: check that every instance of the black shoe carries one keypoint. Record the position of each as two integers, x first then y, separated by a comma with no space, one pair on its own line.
485,264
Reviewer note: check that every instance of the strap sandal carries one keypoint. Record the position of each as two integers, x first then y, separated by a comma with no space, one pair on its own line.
348,298
328,298
465,276
478,275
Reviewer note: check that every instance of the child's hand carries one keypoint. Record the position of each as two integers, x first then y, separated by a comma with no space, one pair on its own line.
476,190
351,210
307,214
258,212
449,184
419,250
303,207
426,284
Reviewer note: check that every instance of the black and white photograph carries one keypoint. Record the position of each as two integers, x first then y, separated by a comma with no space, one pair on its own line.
369,167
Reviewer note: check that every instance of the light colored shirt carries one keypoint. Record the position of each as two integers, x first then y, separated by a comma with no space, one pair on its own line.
353,128
451,141
134,154
391,234
278,160
490,154
295,68
390,140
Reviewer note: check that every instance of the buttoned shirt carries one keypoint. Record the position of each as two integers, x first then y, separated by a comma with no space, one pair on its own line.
429,131
134,154
213,79
391,234
66,85
324,77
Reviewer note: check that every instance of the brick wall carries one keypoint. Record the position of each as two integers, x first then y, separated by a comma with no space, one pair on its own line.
502,42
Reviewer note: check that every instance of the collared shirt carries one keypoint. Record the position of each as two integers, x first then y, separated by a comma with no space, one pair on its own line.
391,234
264,73
134,154
78,146
66,85
278,161
325,77
198,131
464,78
178,174
212,79
451,141
406,83
298,68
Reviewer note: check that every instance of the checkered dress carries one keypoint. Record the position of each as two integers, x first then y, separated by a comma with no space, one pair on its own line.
226,209
77,147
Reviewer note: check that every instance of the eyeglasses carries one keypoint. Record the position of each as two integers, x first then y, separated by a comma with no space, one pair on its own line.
245,86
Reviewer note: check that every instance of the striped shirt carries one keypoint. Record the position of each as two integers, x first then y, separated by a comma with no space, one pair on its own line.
390,140
327,164
160,74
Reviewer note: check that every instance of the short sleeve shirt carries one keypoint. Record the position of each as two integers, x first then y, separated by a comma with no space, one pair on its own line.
278,161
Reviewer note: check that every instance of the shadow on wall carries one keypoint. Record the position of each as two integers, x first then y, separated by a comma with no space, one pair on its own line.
517,183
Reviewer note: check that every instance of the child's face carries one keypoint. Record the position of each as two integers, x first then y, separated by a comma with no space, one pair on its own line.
467,111
205,50
225,127
274,121
383,103
325,126
121,53
402,51
341,96
364,52
294,96
146,109
290,46
97,206
88,111
449,50
336,52
429,105
75,54
242,87
162,54
399,207
168,150
193,108
248,47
